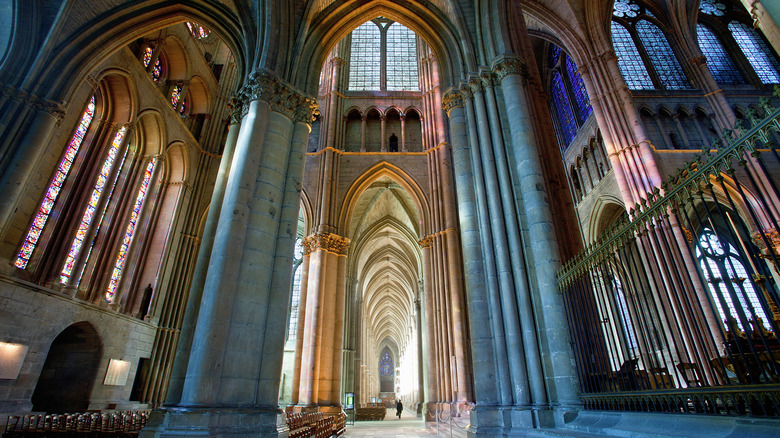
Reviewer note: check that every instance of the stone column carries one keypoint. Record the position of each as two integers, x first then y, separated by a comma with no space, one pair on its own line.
201,265
320,375
236,351
560,378
363,133
27,154
383,142
403,132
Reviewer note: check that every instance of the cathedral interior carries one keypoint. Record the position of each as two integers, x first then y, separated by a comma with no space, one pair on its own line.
542,216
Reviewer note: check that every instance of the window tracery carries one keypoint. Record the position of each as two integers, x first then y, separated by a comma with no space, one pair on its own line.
383,56
719,62
386,364
198,31
645,58
758,53
568,97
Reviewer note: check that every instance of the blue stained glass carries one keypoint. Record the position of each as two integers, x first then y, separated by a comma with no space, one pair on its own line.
386,367
578,89
629,62
555,54
718,60
365,57
661,56
563,108
757,52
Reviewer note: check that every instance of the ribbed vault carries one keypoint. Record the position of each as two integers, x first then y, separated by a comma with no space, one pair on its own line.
385,261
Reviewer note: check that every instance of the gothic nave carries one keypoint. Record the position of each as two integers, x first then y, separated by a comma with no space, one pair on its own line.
547,217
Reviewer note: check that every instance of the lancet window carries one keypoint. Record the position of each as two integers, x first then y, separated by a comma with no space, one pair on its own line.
386,366
728,281
645,58
568,97
295,297
383,56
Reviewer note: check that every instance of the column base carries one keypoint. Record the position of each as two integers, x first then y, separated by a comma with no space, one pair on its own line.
214,422
509,420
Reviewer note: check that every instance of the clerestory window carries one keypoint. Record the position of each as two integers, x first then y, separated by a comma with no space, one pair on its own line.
383,57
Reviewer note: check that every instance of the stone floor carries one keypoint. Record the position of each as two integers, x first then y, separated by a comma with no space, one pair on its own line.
408,426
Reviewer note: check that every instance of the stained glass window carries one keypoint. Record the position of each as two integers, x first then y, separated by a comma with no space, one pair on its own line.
365,60
116,275
92,206
386,367
42,216
757,52
661,56
563,108
197,30
721,265
625,316
555,55
625,8
718,60
401,58
147,58
101,216
578,89
296,291
712,7
175,95
629,61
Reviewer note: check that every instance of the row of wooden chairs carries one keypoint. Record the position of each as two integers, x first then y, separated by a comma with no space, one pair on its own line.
370,414
86,424
315,424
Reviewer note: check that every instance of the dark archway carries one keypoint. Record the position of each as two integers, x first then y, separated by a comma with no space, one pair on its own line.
66,380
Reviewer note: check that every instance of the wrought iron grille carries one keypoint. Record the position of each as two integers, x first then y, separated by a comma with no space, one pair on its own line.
674,308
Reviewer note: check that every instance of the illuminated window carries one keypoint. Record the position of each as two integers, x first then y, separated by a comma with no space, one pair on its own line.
629,61
401,58
383,56
757,52
645,58
124,248
386,367
625,316
728,281
92,206
31,240
296,290
661,56
198,31
568,98
147,58
718,61
176,96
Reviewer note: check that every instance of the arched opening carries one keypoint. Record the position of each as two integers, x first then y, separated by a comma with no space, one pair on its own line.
69,372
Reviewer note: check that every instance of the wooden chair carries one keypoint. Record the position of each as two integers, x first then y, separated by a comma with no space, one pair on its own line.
690,373
12,426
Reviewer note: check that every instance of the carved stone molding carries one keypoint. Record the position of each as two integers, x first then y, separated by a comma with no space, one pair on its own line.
34,102
475,85
465,91
698,60
238,108
509,65
282,98
425,242
452,99
332,243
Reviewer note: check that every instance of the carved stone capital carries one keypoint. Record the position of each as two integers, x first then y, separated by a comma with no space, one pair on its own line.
238,107
509,65
475,85
50,107
465,91
329,242
487,78
337,61
425,242
282,98
451,99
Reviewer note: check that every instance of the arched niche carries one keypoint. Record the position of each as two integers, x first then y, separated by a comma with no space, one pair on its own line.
353,128
70,370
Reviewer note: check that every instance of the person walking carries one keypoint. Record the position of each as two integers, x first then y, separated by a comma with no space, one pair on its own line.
398,408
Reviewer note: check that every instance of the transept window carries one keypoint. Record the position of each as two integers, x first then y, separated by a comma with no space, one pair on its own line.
31,240
383,56
116,275
146,59
569,99
645,57
728,281
386,364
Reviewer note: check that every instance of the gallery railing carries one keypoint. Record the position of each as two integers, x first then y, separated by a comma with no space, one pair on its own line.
675,307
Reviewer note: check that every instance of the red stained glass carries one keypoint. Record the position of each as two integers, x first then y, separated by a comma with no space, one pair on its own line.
116,275
31,240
